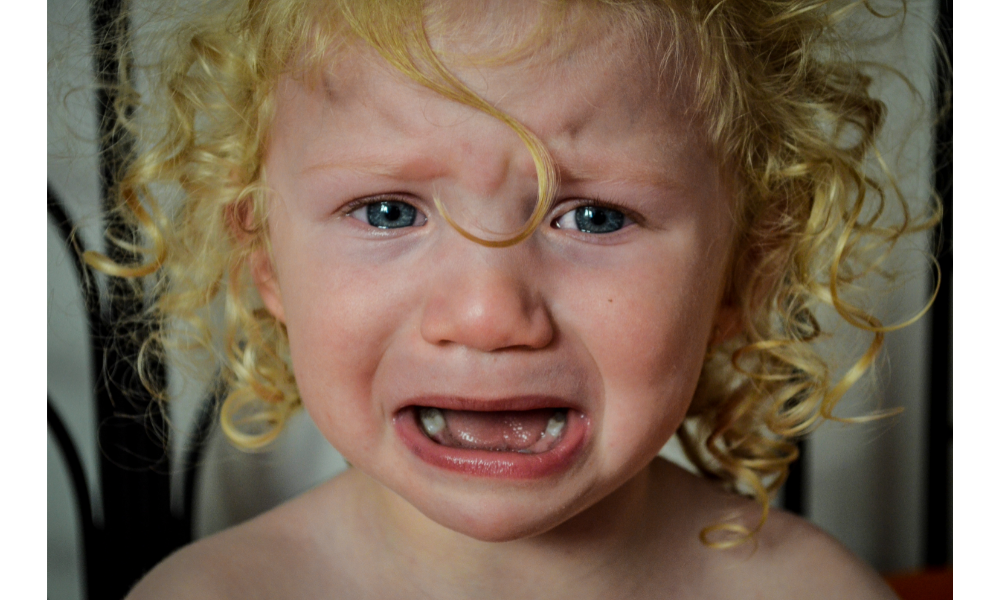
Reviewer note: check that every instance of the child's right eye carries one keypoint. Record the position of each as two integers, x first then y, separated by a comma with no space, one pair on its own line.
389,214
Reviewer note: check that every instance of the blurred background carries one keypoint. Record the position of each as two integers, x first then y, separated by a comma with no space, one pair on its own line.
883,488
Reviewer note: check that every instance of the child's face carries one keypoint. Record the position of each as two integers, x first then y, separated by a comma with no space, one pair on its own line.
601,317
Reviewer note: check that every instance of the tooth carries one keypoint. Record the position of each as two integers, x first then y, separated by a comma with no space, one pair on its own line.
555,424
432,420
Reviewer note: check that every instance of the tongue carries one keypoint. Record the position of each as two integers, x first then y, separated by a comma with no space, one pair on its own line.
497,431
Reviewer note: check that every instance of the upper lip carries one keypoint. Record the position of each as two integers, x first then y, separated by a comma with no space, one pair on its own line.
526,402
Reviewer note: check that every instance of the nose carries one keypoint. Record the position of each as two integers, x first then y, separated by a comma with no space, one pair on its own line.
486,300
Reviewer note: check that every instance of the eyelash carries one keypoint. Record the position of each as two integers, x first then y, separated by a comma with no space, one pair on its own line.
630,218
362,203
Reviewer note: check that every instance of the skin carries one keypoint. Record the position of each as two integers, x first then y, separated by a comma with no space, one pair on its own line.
617,324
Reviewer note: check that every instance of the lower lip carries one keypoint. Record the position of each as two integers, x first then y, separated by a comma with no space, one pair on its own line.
501,465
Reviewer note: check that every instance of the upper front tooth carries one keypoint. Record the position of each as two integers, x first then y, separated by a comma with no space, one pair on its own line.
432,420
555,424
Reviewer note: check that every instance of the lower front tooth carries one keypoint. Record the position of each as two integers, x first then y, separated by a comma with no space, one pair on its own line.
555,424
432,420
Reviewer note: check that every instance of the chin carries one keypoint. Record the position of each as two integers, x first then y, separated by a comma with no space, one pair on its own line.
496,521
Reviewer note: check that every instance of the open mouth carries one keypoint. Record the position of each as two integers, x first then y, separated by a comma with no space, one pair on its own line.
519,444
524,431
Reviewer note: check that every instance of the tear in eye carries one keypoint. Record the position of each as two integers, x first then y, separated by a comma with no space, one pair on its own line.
592,219
389,214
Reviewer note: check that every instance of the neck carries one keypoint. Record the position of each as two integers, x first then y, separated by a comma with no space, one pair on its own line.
594,552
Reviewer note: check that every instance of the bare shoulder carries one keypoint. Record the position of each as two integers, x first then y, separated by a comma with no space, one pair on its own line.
285,552
791,559
213,568
799,560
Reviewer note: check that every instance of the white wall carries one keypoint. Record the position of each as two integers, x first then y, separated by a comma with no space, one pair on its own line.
865,483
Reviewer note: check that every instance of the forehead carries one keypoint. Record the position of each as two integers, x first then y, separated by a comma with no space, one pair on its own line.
591,83
550,95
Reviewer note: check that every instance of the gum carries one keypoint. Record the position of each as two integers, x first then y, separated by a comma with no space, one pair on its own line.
500,431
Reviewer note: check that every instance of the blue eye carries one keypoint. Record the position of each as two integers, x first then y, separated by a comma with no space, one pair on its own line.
593,219
389,214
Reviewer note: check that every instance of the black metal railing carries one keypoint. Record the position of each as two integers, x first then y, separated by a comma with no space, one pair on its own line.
138,527
938,510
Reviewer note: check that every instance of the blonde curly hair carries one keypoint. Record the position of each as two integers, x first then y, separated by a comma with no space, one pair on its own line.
786,114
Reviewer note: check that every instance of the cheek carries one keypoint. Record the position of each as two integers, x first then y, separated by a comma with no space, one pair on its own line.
653,365
338,331
646,331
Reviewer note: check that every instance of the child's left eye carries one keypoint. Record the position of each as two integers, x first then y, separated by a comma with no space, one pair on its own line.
389,214
593,219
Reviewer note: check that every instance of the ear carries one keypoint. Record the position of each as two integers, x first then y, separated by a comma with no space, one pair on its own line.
727,324
266,281
241,224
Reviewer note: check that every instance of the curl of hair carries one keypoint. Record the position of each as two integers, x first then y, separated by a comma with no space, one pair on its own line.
793,124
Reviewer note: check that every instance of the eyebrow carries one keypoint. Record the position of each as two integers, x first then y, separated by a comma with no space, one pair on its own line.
574,174
427,168
424,168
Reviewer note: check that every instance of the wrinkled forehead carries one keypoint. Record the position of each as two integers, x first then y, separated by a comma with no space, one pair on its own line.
636,44
574,75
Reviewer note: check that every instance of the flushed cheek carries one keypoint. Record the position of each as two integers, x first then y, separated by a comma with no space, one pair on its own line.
647,340
640,324
337,333
648,386
329,382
